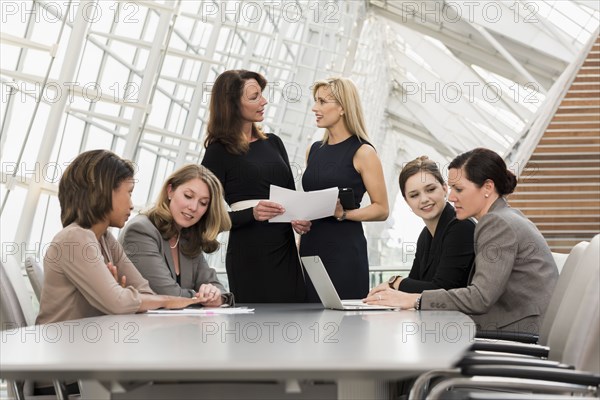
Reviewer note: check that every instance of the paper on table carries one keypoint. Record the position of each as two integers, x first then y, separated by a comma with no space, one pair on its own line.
204,311
303,205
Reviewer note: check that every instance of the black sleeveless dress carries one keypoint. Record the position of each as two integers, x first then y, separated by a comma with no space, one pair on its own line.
342,246
262,258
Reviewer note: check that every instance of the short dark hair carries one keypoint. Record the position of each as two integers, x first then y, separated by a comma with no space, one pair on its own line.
225,117
481,164
85,190
419,165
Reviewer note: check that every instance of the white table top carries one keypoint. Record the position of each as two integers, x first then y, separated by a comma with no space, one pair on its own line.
277,341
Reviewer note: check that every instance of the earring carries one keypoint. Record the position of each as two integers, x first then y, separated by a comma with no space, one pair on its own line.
170,198
487,195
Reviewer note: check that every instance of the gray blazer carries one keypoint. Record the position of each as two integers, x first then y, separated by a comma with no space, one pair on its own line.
151,254
513,277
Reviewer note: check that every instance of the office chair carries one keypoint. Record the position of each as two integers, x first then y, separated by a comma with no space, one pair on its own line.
581,350
566,303
570,269
12,317
35,273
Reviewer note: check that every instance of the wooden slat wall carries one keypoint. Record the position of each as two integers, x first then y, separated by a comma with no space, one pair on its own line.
559,188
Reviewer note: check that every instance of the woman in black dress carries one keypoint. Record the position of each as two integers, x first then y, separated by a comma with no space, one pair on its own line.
262,258
445,250
344,158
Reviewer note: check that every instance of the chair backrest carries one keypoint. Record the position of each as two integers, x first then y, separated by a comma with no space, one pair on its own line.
35,273
587,268
582,349
568,270
11,314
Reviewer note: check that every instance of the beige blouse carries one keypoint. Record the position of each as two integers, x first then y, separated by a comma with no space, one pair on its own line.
77,283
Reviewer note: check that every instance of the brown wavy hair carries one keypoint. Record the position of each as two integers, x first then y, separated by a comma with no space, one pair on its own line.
85,190
202,236
225,117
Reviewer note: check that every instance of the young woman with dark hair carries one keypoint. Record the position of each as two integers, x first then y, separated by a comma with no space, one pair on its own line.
445,246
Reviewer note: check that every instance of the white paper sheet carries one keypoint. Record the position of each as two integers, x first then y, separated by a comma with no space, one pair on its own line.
303,205
203,311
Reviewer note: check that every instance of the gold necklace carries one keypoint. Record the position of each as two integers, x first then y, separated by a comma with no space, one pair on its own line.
177,242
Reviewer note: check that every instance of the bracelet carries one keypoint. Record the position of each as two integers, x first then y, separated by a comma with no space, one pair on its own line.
343,217
418,303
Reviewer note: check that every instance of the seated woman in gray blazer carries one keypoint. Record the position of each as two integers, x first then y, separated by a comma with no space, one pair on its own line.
514,273
445,246
166,243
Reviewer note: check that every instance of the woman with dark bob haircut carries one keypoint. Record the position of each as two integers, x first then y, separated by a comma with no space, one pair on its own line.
166,243
262,258
86,272
445,246
514,272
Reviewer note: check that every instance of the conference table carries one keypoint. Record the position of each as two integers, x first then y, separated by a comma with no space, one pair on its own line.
300,351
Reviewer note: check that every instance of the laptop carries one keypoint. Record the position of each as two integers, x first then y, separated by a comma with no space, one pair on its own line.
326,291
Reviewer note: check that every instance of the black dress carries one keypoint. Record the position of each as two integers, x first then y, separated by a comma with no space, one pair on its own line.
342,246
262,259
442,261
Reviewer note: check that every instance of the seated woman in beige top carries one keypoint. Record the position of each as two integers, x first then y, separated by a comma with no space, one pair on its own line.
86,272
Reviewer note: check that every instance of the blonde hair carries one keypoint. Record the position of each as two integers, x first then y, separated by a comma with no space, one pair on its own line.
345,93
202,236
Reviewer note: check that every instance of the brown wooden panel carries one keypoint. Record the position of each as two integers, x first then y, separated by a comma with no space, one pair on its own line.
585,86
579,102
569,141
572,196
568,149
590,117
559,188
574,125
567,164
580,94
533,179
557,157
555,212
587,78
578,110
572,133
571,219
532,170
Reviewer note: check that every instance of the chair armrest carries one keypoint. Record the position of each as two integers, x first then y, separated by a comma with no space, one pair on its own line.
517,348
538,373
503,335
502,360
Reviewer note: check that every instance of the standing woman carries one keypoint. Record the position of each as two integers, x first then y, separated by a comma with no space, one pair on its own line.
167,242
445,246
86,272
262,258
344,158
514,272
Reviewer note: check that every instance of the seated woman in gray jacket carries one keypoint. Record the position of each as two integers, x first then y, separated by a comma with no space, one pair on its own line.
514,272
166,243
